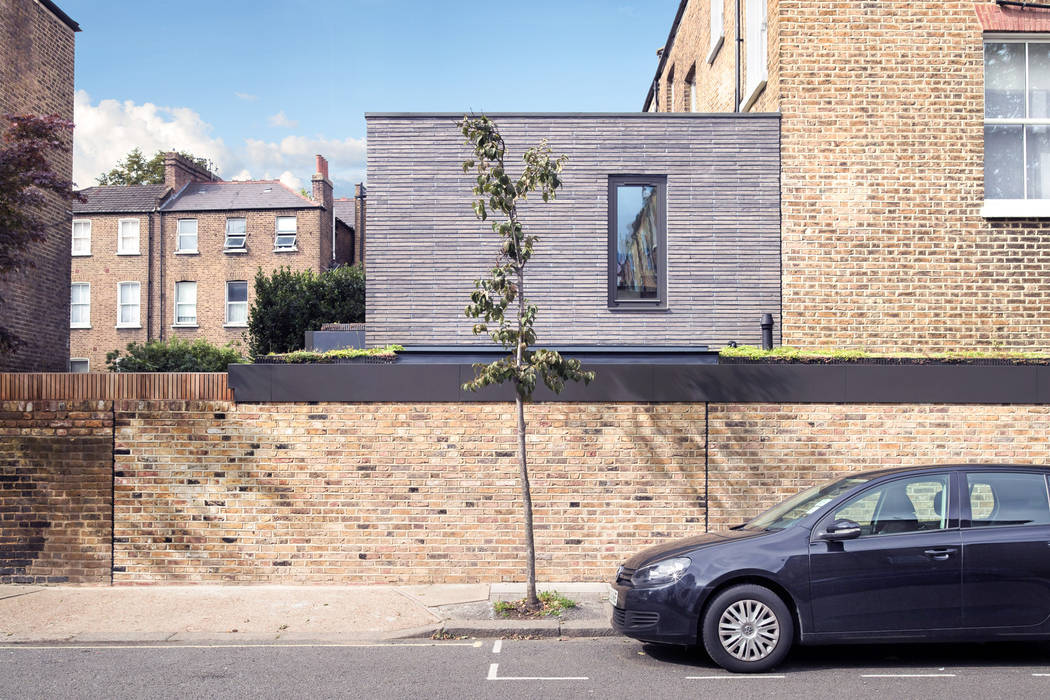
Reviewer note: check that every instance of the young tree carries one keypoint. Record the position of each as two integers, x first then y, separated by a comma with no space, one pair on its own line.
136,169
500,302
25,176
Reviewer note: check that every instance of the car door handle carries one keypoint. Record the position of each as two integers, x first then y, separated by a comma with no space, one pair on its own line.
940,554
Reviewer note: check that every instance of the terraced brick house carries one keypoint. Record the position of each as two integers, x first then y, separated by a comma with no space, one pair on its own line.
177,260
915,160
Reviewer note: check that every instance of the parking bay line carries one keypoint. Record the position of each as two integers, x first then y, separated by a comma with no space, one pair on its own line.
497,646
756,677
907,675
348,645
494,676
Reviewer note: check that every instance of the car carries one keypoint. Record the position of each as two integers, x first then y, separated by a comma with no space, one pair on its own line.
944,553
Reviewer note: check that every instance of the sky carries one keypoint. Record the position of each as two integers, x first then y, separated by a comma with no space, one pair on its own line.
260,86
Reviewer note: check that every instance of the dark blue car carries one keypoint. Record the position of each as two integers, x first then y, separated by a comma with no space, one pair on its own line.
940,553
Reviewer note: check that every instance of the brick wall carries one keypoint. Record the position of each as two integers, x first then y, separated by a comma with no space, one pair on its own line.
213,492
36,76
56,483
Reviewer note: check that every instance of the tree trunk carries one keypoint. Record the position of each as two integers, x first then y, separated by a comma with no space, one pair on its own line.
531,599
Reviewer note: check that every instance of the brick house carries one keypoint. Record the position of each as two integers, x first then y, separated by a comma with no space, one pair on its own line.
36,77
914,211
178,259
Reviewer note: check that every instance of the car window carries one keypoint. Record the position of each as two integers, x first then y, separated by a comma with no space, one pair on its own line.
802,504
1008,498
904,505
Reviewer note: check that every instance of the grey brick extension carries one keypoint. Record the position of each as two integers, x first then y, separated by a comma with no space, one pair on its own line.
723,227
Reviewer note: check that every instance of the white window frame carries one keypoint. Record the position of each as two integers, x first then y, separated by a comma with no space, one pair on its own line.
73,239
86,323
243,247
277,234
86,361
1017,208
757,47
179,234
229,323
121,249
137,323
175,318
718,30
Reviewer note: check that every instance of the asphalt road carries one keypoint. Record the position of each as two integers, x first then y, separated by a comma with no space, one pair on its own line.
611,667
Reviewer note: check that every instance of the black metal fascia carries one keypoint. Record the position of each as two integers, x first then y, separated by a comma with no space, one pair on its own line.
1023,5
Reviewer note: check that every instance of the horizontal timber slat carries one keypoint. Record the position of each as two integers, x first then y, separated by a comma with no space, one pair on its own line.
63,386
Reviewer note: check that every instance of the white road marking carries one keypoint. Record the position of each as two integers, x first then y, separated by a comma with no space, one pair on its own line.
494,676
1041,675
497,646
59,647
738,677
907,675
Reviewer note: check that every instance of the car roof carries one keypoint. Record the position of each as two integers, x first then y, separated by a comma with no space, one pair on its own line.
918,469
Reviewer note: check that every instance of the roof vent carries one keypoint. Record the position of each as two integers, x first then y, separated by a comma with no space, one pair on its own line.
268,189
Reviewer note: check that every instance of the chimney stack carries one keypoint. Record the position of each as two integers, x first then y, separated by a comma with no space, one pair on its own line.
179,170
322,194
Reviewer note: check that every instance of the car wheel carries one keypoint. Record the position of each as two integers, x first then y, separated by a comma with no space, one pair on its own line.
747,629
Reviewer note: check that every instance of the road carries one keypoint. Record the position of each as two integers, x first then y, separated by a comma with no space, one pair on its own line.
611,667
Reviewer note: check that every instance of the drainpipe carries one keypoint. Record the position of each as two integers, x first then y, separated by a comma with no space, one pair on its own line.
149,274
161,265
739,42
332,264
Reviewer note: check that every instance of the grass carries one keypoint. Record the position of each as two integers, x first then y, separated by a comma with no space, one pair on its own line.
308,356
554,604
790,354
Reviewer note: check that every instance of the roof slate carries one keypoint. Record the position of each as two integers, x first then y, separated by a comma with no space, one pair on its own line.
344,210
118,199
253,194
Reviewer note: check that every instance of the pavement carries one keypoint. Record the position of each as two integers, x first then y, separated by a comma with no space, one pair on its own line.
285,614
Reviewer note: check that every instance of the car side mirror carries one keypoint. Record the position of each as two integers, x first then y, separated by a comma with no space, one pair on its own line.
842,529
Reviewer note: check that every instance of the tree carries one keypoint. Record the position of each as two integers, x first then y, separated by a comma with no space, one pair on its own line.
500,302
287,304
25,178
175,355
135,169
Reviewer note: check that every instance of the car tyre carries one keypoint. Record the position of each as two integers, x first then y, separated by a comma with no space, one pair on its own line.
747,629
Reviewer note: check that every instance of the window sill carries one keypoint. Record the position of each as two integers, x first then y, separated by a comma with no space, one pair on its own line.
753,96
123,253
184,325
644,307
714,49
186,252
80,328
1016,208
235,325
235,251
81,255
286,250
126,327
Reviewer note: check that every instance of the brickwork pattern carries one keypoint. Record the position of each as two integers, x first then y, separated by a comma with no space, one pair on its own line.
56,479
352,493
36,76
760,454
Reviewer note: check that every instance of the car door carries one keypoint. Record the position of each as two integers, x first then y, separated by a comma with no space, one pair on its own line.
903,572
1006,549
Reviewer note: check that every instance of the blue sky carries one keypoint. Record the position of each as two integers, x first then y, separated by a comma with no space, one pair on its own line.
259,86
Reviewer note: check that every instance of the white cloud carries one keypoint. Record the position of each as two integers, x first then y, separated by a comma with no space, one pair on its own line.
280,119
107,130
245,96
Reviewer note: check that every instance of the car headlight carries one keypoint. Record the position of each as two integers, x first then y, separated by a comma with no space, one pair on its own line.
667,571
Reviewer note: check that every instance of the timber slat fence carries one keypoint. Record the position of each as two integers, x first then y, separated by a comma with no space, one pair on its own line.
64,386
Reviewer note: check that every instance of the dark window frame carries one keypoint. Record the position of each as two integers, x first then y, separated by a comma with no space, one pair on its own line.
660,183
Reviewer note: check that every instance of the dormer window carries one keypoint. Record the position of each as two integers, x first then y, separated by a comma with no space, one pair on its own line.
236,234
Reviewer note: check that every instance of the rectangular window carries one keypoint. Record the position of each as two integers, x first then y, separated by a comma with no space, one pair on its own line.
757,70
717,29
128,237
690,85
285,233
637,241
237,303
1016,120
80,305
187,238
1002,498
236,234
185,303
81,237
128,305
79,365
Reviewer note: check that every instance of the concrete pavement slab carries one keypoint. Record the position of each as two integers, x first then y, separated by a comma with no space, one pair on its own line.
437,594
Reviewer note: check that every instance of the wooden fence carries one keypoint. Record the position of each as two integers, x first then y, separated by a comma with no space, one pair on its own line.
63,386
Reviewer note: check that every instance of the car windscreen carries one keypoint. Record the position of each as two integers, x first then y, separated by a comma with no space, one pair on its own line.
800,505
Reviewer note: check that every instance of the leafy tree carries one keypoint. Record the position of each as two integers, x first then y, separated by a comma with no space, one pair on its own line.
26,176
175,355
500,302
287,304
135,169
